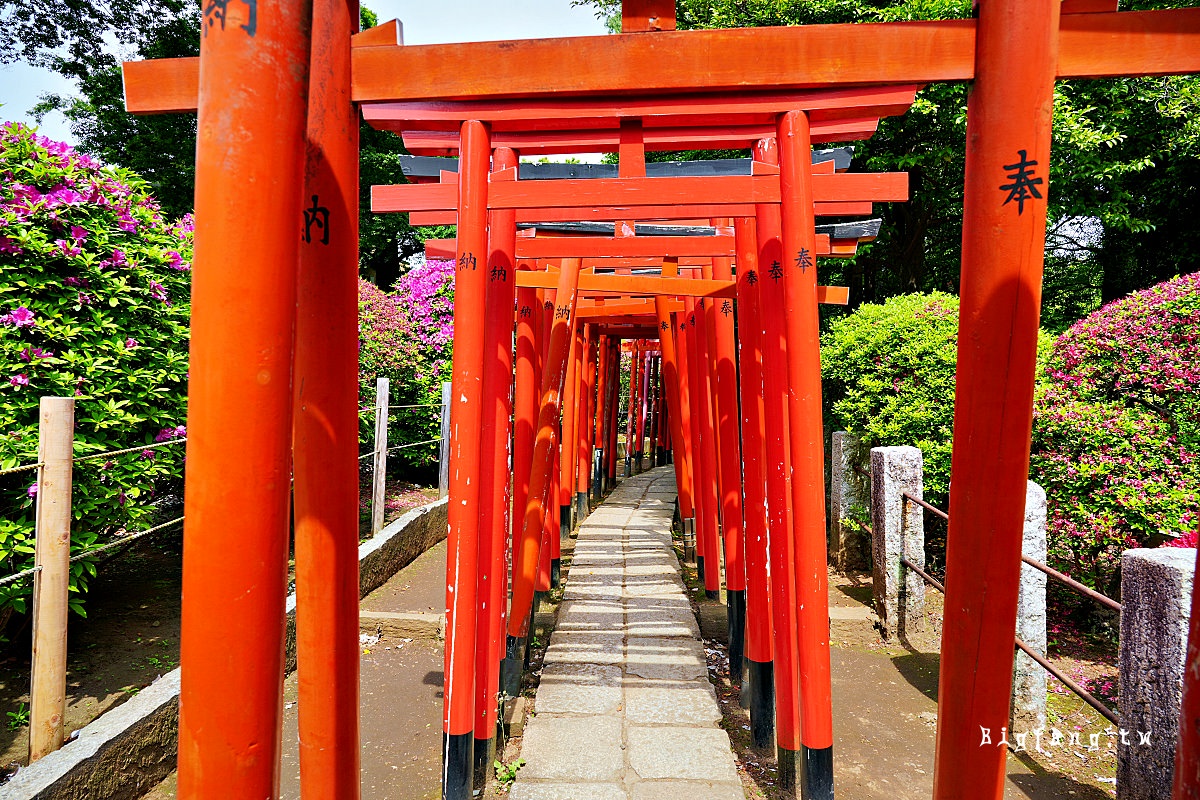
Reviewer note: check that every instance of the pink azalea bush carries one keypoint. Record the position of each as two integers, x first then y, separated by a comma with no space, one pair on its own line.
1117,430
406,335
94,288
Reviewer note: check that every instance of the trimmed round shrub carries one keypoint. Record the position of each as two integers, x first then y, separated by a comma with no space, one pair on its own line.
406,336
888,373
1117,430
94,301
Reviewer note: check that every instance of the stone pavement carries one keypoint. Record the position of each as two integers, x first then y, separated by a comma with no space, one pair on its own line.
625,710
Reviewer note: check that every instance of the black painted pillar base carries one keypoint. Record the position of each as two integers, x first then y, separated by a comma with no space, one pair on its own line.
597,487
789,769
555,572
458,761
511,666
760,692
628,466
712,594
700,568
736,611
581,507
564,522
688,526
816,773
485,754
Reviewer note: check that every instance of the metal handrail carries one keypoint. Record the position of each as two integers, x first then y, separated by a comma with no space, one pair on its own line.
1078,690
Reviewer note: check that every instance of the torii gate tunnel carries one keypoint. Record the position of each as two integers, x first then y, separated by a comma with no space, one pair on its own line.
279,87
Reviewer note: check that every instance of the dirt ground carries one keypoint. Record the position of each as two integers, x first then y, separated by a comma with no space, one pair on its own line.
131,633
129,638
885,714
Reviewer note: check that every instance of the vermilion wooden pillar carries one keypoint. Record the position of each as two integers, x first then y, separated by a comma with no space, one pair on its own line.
780,541
807,455
466,433
253,70
552,533
530,339
614,402
1004,225
675,395
688,358
495,450
1187,753
600,425
760,676
326,422
631,408
527,548
570,417
585,385
705,438
731,469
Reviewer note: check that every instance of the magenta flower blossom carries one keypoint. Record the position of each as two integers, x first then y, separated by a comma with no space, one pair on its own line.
20,379
20,317
85,299
32,490
166,434
68,249
176,261
131,343
8,245
30,353
79,234
80,282
159,292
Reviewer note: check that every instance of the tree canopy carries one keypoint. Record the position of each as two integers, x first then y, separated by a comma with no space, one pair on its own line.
1123,190
162,148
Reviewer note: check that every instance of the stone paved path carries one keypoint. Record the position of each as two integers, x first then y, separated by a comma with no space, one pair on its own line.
625,710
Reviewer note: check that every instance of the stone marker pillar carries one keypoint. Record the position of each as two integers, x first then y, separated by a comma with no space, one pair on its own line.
1156,597
849,545
1029,679
898,528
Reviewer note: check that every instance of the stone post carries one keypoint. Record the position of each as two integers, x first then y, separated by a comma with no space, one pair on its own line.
899,530
444,447
849,545
1156,596
1029,679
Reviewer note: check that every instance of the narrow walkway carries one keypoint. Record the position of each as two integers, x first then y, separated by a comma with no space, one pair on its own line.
625,710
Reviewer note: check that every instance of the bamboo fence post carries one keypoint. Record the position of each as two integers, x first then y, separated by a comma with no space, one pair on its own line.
379,475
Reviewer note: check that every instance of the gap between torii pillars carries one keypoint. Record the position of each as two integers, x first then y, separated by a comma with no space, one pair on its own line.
1004,206
674,395
466,418
326,421
254,76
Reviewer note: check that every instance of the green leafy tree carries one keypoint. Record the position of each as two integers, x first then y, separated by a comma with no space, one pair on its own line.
95,298
162,147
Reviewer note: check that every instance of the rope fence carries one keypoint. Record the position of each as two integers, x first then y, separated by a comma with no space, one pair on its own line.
133,537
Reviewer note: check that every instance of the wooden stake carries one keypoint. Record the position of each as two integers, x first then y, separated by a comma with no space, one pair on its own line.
379,475
48,692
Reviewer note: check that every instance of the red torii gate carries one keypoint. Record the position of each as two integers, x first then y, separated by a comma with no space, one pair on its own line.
253,75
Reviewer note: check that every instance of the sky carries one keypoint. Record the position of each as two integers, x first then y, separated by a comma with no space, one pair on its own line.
425,22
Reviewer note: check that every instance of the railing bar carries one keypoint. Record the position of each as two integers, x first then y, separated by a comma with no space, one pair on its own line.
1083,694
926,506
932,581
1072,583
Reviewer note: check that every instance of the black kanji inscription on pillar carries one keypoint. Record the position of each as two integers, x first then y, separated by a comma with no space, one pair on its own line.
664,326
1024,184
215,12
319,216
467,261
726,307
526,312
499,273
752,277
776,271
804,260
